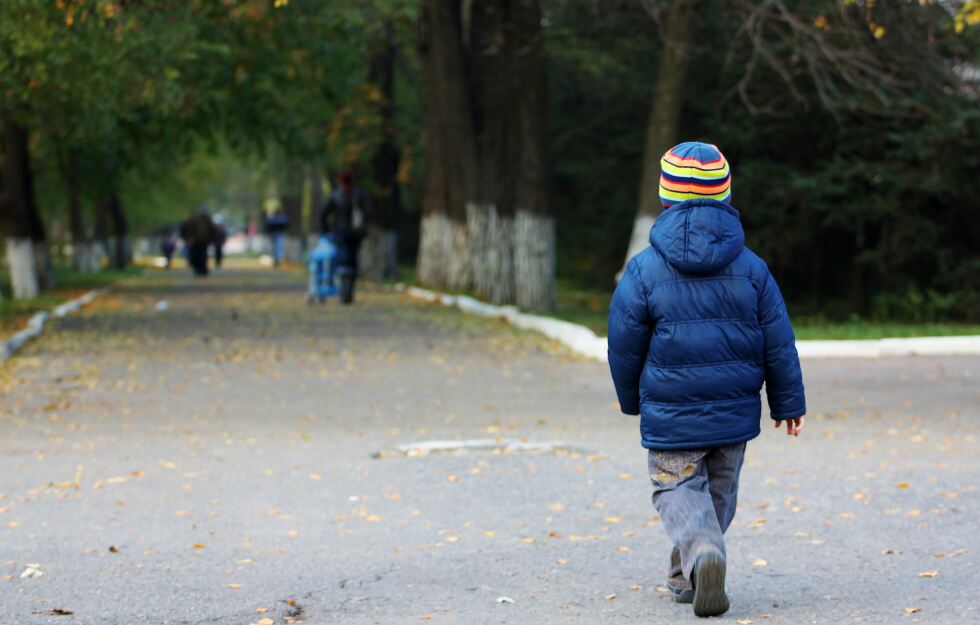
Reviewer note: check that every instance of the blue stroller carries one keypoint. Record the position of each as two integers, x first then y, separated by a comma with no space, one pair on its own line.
322,267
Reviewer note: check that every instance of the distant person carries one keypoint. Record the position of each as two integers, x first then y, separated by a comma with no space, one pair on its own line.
197,231
168,245
276,225
220,237
696,325
344,220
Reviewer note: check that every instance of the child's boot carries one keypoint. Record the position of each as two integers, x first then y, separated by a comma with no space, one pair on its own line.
709,584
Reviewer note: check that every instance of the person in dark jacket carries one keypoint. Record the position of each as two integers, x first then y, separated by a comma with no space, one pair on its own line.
220,237
197,231
168,245
696,326
276,225
344,219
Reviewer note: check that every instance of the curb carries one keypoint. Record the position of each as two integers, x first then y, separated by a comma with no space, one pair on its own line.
35,325
587,343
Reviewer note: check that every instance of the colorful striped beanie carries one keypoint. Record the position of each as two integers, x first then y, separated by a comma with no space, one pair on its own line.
694,170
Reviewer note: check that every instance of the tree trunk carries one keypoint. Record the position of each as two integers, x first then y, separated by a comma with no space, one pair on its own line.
100,244
76,224
14,212
121,248
292,204
379,255
496,86
662,126
450,149
316,202
534,226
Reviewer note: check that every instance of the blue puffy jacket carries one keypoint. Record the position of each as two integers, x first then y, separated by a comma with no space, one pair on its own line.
696,325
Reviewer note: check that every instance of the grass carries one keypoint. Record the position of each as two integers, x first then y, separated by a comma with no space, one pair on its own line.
590,308
68,285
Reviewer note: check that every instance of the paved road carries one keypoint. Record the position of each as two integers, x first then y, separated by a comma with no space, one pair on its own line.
234,458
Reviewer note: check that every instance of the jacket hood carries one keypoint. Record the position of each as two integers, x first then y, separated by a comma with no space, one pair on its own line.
698,236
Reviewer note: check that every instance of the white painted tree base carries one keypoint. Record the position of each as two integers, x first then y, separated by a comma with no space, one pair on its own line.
639,240
23,270
585,342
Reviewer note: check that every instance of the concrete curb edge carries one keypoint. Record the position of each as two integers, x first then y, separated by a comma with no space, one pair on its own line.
35,325
584,341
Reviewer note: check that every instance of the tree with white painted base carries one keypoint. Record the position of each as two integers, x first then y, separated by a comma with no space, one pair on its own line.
662,125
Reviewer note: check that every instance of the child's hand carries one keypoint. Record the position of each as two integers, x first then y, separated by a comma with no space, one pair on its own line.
793,426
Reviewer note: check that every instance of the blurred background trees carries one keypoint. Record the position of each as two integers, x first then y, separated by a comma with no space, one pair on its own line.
505,143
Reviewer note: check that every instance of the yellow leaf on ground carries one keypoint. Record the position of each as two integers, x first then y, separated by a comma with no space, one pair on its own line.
612,519
912,610
198,545
759,562
902,485
929,574
235,586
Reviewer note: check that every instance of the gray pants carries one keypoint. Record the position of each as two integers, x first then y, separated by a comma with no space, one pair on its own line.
695,492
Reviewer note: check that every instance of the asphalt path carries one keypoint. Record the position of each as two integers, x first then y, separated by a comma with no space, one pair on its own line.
191,451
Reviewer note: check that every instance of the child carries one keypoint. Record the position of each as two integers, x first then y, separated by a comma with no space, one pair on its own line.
696,325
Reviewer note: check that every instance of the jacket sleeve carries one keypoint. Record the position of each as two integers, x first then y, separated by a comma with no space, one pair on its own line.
630,328
784,380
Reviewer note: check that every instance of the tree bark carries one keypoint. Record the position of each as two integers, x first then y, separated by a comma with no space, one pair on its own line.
495,85
450,149
121,247
14,212
662,125
100,243
316,202
379,254
534,225
81,252
292,203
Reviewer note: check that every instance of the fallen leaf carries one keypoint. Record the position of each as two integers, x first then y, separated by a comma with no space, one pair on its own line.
266,621
759,562
198,545
502,599
235,586
912,610
902,485
636,587
623,549
610,597
315,477
929,574
612,519
745,621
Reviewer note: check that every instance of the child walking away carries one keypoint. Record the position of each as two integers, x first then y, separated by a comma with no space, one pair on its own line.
696,325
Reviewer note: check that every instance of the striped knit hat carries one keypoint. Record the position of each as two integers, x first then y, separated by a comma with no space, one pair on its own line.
694,170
